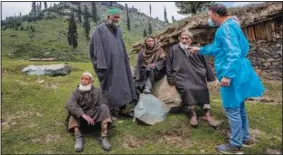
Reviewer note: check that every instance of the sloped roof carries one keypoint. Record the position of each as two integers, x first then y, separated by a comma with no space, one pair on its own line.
248,15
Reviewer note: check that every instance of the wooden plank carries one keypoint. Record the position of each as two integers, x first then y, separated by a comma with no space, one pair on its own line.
263,32
252,33
268,31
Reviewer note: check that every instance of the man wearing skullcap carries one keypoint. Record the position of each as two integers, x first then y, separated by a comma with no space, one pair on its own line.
110,62
190,74
87,105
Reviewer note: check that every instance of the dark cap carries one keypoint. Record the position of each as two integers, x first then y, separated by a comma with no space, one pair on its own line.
219,9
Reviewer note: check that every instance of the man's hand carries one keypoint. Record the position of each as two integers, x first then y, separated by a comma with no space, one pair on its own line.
152,65
225,82
89,120
194,50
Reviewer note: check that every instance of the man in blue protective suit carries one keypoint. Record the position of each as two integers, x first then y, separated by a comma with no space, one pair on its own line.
238,80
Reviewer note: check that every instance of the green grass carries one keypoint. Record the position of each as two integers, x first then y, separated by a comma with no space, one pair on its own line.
50,38
33,117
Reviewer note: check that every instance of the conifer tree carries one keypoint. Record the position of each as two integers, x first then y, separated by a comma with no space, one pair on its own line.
72,32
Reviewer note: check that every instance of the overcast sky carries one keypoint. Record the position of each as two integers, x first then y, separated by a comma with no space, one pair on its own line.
15,8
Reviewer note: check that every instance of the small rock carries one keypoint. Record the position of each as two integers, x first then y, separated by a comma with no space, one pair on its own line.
40,81
270,60
38,114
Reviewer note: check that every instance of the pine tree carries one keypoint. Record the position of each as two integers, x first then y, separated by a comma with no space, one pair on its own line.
94,12
192,7
80,13
40,6
33,8
128,19
37,9
150,9
165,15
149,28
86,23
72,32
45,5
144,33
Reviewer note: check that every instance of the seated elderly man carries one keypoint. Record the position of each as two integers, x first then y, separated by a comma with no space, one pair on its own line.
190,74
88,105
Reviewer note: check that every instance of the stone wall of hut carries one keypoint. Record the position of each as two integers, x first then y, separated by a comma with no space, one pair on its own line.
265,48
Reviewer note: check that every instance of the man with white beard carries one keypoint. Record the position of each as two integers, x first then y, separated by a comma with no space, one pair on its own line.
190,74
88,105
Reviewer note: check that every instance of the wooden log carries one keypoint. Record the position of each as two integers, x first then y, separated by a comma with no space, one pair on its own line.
268,31
251,33
263,31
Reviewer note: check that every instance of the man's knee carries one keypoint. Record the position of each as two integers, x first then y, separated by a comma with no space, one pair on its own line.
104,108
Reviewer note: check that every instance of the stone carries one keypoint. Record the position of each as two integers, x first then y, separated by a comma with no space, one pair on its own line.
50,70
279,52
276,56
167,94
262,99
276,63
270,60
263,50
266,64
274,73
278,45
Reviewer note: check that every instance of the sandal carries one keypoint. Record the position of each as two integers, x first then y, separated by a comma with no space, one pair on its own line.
193,119
211,122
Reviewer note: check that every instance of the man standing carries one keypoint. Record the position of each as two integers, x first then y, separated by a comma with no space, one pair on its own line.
190,73
110,62
238,80
87,105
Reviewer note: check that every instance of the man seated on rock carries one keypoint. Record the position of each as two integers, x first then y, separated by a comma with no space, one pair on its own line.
150,66
190,73
87,105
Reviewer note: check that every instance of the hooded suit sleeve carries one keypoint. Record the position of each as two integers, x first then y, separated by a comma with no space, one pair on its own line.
211,49
233,51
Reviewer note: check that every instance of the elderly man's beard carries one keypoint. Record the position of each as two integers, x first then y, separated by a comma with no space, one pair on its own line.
184,46
85,87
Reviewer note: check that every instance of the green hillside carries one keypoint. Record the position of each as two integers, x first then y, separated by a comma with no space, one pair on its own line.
50,40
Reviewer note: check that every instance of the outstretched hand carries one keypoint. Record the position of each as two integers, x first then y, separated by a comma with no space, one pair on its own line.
225,82
89,120
194,50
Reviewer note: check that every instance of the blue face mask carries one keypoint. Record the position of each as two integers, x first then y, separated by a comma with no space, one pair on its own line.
211,23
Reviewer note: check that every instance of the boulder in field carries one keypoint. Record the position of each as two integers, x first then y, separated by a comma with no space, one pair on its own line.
167,94
50,70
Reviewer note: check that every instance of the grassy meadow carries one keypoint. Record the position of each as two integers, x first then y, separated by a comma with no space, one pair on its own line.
33,118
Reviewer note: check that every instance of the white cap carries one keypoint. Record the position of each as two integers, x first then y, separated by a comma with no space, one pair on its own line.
88,74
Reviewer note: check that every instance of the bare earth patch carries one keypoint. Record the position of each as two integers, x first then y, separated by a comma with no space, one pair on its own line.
132,142
176,139
272,151
11,120
52,137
